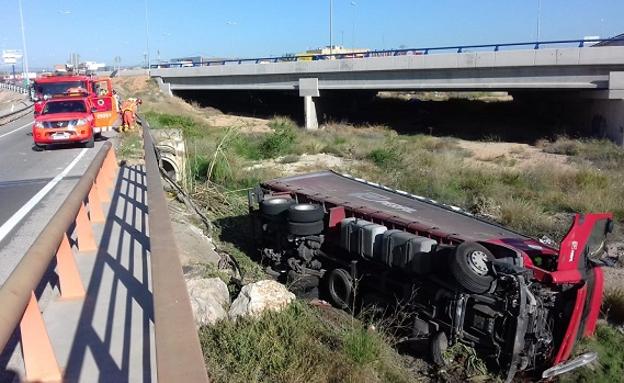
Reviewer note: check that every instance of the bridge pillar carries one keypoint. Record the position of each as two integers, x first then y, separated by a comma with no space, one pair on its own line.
606,119
308,88
164,87
607,114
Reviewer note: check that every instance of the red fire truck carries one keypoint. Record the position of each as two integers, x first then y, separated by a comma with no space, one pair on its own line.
98,90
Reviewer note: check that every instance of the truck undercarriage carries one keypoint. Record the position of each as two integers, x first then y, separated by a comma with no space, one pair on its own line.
520,304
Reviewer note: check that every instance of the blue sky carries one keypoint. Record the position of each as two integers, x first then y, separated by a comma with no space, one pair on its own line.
247,28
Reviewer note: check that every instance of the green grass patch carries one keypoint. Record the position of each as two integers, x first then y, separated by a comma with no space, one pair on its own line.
298,345
608,342
131,146
188,125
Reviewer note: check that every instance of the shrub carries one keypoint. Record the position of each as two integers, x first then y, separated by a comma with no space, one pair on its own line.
385,157
278,143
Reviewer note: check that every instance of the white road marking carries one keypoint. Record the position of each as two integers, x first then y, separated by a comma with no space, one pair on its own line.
15,130
6,228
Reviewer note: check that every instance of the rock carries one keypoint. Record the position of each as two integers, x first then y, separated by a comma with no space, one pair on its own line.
258,297
209,300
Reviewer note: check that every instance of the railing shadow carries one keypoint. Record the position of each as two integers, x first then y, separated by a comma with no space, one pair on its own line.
114,337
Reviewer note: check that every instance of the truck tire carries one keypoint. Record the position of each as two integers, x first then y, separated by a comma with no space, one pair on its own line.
308,228
437,347
469,266
275,206
340,288
305,213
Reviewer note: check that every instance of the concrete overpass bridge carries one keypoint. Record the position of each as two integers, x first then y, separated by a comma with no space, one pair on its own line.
592,75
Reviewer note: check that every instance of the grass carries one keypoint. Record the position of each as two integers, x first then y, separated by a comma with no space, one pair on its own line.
609,344
297,345
131,146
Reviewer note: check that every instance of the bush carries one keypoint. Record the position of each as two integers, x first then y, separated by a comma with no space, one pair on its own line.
385,157
280,142
189,126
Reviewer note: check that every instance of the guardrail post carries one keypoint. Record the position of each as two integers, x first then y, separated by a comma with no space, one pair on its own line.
67,270
96,214
84,231
39,360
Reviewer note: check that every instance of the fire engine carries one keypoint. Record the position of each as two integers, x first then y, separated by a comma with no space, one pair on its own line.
99,90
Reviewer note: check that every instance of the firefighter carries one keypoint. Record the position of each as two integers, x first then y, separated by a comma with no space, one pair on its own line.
129,109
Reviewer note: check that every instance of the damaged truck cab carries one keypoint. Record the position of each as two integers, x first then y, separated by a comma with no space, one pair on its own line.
520,303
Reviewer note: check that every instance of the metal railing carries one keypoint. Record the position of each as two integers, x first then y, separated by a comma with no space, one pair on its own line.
14,88
18,303
179,357
393,52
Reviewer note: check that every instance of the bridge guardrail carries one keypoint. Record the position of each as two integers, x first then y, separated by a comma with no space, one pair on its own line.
17,295
14,88
179,357
390,52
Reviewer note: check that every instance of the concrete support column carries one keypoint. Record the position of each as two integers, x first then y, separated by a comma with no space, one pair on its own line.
164,87
607,120
308,88
311,120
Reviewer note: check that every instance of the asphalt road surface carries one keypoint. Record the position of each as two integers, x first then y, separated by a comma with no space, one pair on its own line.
32,187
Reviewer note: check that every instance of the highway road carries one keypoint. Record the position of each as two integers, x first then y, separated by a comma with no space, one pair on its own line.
32,187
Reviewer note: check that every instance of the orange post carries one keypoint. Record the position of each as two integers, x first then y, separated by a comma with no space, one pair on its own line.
39,360
84,231
67,270
96,214
102,189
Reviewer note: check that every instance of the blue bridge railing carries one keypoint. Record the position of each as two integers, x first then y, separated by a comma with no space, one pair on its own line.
393,52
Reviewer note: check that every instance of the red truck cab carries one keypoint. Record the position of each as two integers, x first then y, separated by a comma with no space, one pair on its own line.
64,121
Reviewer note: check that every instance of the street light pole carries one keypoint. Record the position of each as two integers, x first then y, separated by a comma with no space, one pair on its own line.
25,55
539,16
147,35
331,17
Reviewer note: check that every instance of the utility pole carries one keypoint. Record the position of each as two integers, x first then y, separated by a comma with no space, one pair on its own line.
331,17
25,56
539,16
147,35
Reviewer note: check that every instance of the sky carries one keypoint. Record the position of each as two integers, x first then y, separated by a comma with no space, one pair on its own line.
252,28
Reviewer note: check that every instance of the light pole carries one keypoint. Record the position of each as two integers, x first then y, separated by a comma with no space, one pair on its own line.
331,17
539,16
147,35
25,56
354,6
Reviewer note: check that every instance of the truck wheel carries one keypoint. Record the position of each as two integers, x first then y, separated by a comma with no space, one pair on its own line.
469,266
437,347
275,206
90,143
340,286
305,212
308,228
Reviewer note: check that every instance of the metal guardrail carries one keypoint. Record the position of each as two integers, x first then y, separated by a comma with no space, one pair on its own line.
179,356
18,303
14,88
391,52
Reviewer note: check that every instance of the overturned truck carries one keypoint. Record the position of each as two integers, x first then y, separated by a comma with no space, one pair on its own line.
520,303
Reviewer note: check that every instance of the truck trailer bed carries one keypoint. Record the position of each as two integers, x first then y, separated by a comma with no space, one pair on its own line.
408,210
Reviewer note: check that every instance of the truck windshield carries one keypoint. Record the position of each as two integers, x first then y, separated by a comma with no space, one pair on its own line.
64,107
58,88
